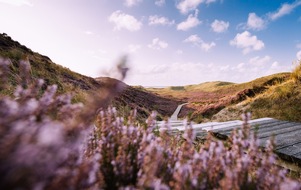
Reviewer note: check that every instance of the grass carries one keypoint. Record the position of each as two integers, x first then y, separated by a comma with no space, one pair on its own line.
50,143
79,85
296,73
207,99
281,101
219,87
43,67
275,96
208,86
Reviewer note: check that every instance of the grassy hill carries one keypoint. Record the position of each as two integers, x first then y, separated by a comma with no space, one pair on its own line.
281,101
125,98
270,96
208,86
276,96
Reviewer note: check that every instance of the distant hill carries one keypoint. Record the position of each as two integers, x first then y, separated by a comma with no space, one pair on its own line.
177,90
208,86
80,85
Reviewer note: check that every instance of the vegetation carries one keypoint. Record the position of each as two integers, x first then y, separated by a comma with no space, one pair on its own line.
49,143
79,85
281,101
207,99
296,74
274,96
51,140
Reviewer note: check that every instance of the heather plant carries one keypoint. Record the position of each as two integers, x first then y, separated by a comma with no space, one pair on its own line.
39,138
46,142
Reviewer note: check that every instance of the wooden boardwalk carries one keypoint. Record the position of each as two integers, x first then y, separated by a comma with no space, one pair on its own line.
287,134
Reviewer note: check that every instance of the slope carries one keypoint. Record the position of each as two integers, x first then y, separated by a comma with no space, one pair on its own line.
207,99
125,98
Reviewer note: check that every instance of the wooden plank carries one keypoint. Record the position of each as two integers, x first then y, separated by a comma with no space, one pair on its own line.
276,126
290,150
287,128
283,140
296,158
268,126
229,125
265,127
287,134
228,130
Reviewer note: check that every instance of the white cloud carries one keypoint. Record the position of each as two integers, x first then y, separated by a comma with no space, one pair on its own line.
193,39
257,67
196,40
88,32
258,61
188,5
122,20
298,55
179,52
276,67
133,48
190,22
255,22
17,2
285,9
241,67
275,64
158,44
247,42
207,46
101,51
131,3
157,20
184,73
160,3
151,69
210,1
219,26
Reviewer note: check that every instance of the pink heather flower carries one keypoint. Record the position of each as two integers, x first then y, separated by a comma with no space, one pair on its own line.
51,134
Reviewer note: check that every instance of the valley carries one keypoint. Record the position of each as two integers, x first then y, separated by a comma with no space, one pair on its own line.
224,101
277,96
47,120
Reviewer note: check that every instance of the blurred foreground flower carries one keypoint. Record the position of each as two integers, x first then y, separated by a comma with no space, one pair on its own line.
48,143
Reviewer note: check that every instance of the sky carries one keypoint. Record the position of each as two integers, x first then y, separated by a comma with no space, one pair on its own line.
167,42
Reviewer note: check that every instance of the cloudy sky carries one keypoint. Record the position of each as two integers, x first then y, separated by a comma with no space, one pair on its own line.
168,42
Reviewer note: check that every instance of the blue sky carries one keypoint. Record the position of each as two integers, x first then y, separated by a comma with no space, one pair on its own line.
168,42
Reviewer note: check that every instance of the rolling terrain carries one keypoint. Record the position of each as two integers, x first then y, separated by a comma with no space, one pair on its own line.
125,97
276,96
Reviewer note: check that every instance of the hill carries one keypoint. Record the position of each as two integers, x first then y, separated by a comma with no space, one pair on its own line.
276,96
125,98
222,101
